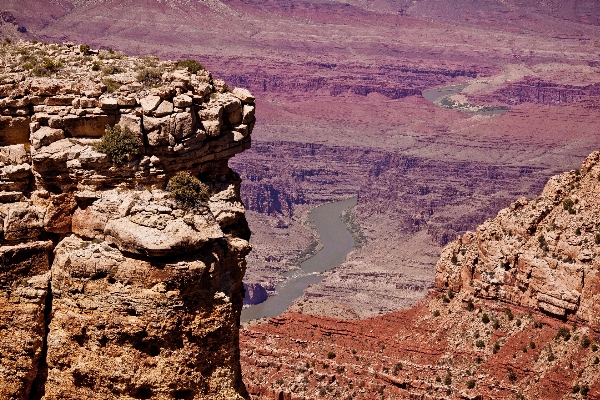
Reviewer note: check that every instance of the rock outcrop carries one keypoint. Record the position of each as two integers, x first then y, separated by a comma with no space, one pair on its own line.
542,254
111,288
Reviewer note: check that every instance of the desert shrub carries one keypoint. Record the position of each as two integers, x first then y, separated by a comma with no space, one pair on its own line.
496,324
564,333
551,357
191,65
518,323
187,189
584,390
511,375
496,348
118,142
150,76
397,368
485,318
448,379
438,379
594,347
480,344
532,345
111,85
111,70
509,314
450,294
470,383
96,66
454,259
331,355
470,305
84,49
585,342
436,313
47,67
353,351
596,361
445,299
543,243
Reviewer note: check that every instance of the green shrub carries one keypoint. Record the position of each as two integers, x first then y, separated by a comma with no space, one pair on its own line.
111,85
187,189
331,355
191,65
471,384
509,314
47,67
150,76
84,49
585,342
496,348
470,305
448,379
485,318
111,70
118,142
564,333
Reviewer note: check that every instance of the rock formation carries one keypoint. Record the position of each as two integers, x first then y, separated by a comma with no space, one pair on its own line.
111,288
541,254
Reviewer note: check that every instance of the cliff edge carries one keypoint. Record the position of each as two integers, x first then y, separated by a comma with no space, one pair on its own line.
111,287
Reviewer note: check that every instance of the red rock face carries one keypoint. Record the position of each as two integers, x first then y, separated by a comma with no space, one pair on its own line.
435,350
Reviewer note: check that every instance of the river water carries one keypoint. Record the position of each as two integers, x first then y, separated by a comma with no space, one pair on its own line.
337,243
434,94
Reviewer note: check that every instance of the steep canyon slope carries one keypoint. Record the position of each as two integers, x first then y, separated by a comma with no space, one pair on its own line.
514,314
111,287
341,114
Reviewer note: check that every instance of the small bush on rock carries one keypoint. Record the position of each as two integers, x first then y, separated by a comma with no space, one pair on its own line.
118,142
150,76
187,189
191,65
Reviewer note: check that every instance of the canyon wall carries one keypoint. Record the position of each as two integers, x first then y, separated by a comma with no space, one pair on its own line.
540,254
111,287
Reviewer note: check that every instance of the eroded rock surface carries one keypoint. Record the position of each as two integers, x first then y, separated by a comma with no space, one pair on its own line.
541,254
111,288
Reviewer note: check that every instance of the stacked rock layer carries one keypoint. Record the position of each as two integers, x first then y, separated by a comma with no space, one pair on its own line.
111,289
543,254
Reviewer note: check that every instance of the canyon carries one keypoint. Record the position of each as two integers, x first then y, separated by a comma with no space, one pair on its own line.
513,315
341,114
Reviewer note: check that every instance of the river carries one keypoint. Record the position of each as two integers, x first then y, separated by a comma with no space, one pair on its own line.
435,94
337,243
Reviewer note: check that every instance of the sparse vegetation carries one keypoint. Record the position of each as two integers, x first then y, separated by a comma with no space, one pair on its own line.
118,143
191,65
485,318
150,76
188,190
564,333
111,85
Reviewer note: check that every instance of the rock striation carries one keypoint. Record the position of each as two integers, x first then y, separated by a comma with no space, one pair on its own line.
542,254
111,288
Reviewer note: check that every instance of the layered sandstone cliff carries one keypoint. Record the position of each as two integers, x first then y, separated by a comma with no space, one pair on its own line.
543,254
110,287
